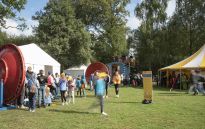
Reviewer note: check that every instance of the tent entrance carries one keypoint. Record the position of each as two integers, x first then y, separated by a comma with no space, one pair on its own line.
48,68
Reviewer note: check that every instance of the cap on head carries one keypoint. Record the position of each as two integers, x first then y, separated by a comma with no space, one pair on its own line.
29,68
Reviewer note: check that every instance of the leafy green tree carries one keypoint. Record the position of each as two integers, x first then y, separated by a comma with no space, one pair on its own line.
62,35
105,20
8,9
153,16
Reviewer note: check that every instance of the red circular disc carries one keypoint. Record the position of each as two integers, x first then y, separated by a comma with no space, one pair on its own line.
92,68
12,71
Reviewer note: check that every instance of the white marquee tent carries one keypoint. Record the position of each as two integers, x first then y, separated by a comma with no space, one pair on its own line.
38,59
75,71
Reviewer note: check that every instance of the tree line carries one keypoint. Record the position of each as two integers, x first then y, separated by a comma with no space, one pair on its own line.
80,31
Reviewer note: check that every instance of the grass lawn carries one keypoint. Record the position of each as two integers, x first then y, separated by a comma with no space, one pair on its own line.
170,110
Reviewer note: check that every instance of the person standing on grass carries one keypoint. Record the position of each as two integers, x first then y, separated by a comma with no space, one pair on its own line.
50,82
71,90
83,85
63,87
32,86
116,79
78,85
41,93
107,84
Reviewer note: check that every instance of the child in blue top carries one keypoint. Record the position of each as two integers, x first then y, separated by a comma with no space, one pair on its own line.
63,83
83,84
100,89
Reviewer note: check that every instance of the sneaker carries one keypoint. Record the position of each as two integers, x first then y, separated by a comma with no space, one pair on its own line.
117,96
63,103
23,107
30,110
33,110
66,103
106,96
105,114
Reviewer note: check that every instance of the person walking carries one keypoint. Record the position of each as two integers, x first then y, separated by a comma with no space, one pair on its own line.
63,83
117,81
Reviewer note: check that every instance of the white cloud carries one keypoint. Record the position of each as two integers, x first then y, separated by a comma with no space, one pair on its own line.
14,31
171,7
133,22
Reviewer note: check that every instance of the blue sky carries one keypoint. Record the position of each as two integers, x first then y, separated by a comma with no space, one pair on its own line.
33,6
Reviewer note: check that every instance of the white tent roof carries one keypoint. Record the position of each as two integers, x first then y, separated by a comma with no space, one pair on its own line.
33,54
198,61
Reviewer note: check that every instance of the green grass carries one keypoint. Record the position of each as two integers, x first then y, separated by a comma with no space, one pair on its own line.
170,110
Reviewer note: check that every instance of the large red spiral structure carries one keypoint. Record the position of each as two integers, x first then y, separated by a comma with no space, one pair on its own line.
92,68
12,71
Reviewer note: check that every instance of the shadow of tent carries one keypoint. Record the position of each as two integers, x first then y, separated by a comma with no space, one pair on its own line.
70,111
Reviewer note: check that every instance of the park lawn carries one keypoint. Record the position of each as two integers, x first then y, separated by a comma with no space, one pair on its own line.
170,110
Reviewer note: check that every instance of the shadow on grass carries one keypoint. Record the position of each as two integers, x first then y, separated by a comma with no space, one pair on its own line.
119,102
172,94
70,111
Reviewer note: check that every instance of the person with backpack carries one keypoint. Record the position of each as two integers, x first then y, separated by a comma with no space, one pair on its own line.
32,85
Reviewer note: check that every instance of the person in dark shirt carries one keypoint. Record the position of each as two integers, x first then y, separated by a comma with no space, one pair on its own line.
41,91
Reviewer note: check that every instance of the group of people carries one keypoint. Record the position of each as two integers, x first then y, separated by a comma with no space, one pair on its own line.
40,90
193,83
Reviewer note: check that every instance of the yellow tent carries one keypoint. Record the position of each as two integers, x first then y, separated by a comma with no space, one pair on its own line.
197,60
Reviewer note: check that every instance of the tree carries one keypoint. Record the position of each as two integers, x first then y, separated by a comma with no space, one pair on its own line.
105,20
62,35
8,9
153,16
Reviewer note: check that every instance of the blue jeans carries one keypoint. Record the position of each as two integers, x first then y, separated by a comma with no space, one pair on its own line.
41,95
32,101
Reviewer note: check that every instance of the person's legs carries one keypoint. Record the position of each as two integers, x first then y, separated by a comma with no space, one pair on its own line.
101,104
117,89
106,89
73,96
34,102
84,92
30,100
62,96
39,97
80,90
43,94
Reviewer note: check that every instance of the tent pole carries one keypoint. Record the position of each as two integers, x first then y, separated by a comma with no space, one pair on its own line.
180,78
167,78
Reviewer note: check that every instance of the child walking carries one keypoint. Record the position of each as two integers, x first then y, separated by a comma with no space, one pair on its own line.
71,90
63,86
100,89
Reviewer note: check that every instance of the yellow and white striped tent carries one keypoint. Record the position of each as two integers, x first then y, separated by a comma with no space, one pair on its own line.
195,61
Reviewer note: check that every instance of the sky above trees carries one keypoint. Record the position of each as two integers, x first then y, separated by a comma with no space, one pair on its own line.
33,6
